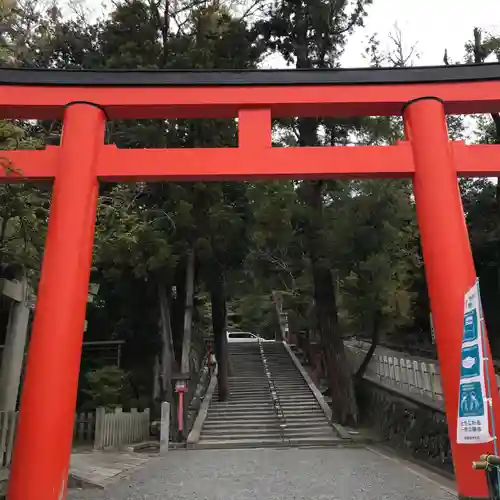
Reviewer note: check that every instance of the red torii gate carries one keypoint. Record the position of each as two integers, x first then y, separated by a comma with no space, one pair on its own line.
86,99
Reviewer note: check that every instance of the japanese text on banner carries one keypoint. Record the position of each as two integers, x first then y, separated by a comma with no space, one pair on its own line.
473,424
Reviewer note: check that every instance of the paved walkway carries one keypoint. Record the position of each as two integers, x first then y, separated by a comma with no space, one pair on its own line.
287,474
97,467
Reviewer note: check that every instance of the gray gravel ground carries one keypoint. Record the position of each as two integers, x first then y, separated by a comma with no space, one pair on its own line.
288,474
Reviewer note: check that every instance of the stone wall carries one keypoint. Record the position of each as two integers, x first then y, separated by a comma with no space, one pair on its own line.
405,423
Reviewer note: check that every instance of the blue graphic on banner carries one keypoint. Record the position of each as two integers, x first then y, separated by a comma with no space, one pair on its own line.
470,326
471,362
471,400
473,405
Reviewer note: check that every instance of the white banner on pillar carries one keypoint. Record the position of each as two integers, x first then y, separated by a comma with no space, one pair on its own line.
473,405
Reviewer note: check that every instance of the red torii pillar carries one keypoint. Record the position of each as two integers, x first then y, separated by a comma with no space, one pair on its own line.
449,269
45,428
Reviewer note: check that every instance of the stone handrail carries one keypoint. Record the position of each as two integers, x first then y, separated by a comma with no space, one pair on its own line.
414,375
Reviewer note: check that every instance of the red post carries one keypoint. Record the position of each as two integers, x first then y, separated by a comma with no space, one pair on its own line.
45,428
449,269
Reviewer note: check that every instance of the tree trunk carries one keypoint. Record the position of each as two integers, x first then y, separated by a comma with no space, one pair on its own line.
371,351
341,382
188,324
188,314
219,318
178,308
167,359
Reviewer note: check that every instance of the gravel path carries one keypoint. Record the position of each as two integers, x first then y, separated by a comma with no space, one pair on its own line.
288,474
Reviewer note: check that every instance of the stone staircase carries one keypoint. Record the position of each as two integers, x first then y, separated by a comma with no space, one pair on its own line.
270,404
306,423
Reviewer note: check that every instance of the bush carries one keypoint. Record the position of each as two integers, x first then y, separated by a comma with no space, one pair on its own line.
108,386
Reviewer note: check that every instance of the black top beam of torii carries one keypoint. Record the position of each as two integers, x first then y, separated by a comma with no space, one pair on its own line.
266,77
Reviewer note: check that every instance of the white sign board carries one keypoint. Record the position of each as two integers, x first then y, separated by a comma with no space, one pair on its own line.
473,422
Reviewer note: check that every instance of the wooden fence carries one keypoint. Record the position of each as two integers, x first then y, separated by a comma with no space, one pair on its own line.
84,429
99,428
8,421
120,428
414,375
84,432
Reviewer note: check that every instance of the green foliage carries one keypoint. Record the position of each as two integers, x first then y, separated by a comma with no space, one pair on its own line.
23,208
379,243
108,387
311,34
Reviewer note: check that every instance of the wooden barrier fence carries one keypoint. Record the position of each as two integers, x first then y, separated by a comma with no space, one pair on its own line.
120,428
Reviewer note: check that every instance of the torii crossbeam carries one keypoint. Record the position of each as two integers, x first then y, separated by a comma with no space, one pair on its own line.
86,99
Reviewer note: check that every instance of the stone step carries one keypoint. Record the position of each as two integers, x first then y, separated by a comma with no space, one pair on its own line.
295,394
249,413
256,413
250,395
296,397
284,427
301,406
290,381
240,444
298,402
252,400
263,432
248,391
300,386
230,420
305,422
240,426
302,415
228,405
318,440
305,417
233,419
272,443
297,417
255,368
297,390
230,425
305,432
246,403
249,387
248,377
257,393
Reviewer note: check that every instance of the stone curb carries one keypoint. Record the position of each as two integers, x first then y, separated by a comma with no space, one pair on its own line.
76,482
194,435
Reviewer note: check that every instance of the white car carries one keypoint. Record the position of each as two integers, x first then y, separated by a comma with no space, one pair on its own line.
245,337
